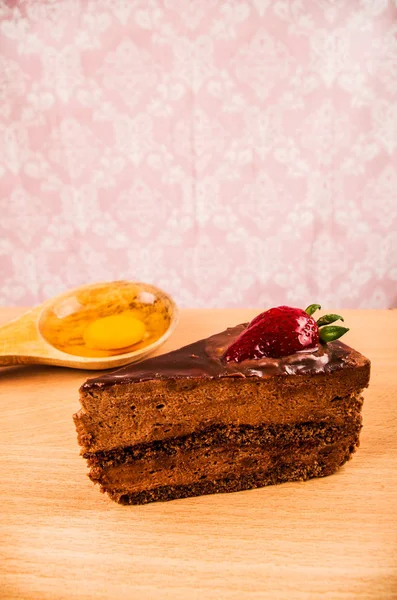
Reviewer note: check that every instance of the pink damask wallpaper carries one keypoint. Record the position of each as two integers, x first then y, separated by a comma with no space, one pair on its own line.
233,152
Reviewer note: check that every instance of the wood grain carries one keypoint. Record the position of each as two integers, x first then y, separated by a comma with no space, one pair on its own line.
61,539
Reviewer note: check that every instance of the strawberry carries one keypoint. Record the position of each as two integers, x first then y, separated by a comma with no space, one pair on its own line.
282,331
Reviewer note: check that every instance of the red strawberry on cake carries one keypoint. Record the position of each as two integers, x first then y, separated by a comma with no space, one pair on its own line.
277,399
283,331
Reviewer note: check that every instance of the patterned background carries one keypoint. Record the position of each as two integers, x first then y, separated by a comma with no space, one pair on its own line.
232,152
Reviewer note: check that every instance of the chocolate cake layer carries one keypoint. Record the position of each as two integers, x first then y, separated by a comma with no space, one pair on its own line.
224,459
188,423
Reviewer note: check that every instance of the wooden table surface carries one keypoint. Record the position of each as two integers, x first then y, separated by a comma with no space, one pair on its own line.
61,538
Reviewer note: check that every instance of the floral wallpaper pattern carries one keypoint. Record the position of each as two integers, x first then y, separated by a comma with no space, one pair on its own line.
233,152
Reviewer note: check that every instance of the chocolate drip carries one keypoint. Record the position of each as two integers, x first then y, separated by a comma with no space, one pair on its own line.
203,359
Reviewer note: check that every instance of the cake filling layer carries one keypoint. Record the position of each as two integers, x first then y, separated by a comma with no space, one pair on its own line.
220,454
242,435
237,482
147,411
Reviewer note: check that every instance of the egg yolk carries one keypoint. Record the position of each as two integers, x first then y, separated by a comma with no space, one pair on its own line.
113,332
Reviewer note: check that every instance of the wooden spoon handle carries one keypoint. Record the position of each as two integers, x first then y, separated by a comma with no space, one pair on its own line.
20,341
9,360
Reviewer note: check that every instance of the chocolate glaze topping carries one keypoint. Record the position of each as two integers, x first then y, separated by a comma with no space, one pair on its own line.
203,359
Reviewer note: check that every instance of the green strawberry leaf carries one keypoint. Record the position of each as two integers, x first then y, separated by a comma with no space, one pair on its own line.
312,309
329,333
327,319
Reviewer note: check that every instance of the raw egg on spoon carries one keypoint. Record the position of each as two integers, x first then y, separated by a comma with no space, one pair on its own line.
97,326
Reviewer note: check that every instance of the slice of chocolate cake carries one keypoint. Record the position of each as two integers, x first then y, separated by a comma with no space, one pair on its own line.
194,421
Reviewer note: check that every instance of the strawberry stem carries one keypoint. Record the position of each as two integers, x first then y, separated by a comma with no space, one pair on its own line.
312,309
328,319
329,333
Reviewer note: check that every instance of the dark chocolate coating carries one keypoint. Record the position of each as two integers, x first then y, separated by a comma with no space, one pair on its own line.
203,359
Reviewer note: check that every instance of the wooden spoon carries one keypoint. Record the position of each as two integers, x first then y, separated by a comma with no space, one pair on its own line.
52,333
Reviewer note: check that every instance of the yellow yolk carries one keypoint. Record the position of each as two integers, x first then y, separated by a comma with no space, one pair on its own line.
113,332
